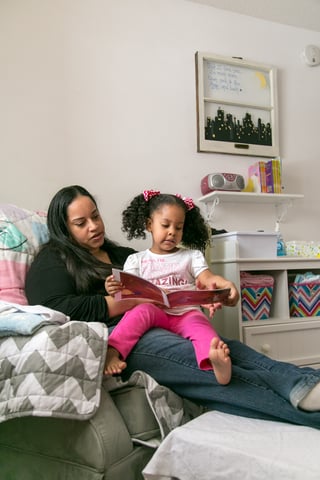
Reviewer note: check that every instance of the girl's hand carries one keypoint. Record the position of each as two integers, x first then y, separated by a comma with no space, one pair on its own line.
112,286
233,297
211,281
212,307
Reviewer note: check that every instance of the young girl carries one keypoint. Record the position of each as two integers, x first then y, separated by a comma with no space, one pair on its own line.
171,221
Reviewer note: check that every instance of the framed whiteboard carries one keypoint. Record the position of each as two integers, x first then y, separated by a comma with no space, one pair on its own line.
236,106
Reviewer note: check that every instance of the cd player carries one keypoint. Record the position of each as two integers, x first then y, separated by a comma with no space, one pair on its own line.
222,181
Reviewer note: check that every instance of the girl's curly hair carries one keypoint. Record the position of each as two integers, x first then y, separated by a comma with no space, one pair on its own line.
135,216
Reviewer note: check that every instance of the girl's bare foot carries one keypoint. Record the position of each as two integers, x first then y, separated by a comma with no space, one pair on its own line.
113,364
219,356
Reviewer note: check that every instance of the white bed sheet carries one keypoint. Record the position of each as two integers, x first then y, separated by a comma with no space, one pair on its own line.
220,446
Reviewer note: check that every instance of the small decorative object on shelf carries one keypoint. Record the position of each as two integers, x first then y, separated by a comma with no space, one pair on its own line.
281,246
303,248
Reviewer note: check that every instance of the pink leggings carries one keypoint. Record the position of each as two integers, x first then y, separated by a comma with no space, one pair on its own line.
192,325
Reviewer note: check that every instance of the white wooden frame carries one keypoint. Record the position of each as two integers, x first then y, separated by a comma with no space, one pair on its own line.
237,108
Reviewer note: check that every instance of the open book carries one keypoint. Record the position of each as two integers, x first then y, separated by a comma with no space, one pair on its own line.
137,287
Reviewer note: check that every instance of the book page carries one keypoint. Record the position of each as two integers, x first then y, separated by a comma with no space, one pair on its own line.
197,297
137,287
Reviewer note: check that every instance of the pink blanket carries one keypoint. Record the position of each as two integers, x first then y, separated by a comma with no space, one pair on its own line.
21,233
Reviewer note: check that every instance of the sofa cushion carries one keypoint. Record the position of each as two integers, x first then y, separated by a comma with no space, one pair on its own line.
21,234
142,425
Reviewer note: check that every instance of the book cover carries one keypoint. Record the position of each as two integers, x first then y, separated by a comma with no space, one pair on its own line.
277,175
274,175
269,177
137,287
257,173
263,182
254,175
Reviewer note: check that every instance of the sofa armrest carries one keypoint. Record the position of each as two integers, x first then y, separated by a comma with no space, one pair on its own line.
49,447
97,442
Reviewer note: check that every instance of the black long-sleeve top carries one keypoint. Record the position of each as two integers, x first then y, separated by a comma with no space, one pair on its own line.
49,283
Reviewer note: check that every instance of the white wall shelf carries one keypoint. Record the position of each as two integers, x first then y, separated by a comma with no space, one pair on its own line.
281,201
249,197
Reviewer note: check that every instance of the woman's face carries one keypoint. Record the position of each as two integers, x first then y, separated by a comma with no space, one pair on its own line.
85,224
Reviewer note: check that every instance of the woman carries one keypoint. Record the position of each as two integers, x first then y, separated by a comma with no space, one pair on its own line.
69,275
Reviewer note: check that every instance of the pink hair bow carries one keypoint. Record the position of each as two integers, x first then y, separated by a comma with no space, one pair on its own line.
148,194
187,201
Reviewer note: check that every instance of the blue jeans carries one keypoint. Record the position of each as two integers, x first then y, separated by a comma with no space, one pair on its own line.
260,387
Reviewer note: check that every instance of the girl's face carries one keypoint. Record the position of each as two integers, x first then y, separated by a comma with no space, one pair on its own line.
85,224
166,227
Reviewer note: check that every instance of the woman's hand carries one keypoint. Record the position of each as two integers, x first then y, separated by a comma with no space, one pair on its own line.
112,286
119,307
212,308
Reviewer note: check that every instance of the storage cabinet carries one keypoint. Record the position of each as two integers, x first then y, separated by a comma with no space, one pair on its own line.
285,338
290,339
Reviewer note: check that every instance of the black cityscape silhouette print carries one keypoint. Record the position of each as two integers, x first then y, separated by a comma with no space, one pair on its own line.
227,128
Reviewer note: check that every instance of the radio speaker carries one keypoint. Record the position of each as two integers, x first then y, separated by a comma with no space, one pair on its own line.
222,181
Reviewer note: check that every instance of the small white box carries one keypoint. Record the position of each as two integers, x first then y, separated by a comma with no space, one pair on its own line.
244,245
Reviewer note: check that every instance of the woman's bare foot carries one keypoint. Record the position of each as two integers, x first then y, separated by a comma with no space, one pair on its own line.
113,364
219,356
311,401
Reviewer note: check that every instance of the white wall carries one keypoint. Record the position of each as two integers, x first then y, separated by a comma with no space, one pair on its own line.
102,93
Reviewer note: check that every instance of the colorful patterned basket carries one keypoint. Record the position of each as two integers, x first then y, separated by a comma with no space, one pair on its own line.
304,299
256,302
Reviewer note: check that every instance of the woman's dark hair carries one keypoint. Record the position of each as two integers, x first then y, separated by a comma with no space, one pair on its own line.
85,269
135,216
58,212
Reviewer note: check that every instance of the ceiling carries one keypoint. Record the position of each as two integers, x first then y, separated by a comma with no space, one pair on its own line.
297,13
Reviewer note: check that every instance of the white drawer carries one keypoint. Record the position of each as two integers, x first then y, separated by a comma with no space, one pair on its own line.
294,342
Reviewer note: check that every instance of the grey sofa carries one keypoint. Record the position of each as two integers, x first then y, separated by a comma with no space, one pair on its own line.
36,448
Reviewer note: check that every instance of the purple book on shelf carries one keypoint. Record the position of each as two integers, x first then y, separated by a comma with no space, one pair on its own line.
269,177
